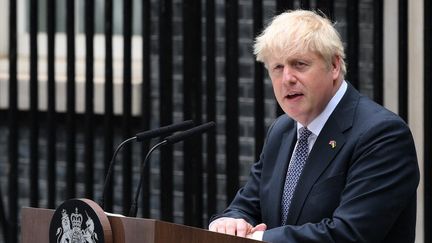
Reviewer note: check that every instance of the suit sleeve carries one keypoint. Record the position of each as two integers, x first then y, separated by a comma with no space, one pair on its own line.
246,204
381,182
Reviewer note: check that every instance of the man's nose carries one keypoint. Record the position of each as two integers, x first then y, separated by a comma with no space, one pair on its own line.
288,76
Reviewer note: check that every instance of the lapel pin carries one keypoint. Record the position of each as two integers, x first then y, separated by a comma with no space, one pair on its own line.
332,143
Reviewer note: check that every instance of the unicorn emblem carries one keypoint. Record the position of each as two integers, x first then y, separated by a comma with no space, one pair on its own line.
89,235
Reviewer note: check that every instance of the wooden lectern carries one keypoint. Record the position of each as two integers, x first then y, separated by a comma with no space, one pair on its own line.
36,221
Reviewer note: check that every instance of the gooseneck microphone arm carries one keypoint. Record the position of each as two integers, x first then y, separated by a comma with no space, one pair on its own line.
162,131
110,168
168,140
134,206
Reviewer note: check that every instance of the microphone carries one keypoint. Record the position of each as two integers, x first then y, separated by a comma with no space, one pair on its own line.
162,131
188,133
168,140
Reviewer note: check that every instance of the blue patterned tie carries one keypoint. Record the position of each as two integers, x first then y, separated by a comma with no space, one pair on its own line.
294,171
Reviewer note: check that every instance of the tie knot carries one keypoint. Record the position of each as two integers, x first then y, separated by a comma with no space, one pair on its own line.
304,133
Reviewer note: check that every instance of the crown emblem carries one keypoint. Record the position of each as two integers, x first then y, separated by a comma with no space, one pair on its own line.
76,219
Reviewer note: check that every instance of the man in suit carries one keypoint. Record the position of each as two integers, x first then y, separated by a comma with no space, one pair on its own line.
337,167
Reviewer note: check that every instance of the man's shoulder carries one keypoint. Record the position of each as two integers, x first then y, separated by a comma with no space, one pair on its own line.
283,123
280,127
366,110
373,112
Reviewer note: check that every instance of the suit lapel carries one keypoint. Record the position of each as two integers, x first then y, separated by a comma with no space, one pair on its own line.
323,152
279,174
319,158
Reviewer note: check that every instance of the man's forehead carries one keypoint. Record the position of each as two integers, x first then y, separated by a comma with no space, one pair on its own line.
286,57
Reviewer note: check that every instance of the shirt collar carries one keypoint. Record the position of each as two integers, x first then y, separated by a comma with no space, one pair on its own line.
318,123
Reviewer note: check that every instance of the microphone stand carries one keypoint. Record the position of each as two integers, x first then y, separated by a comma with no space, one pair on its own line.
168,140
109,173
134,207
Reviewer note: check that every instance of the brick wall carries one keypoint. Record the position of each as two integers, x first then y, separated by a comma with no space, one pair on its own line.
245,104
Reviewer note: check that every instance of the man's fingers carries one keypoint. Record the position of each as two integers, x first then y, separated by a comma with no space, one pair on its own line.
212,227
231,227
243,228
221,228
217,226
260,227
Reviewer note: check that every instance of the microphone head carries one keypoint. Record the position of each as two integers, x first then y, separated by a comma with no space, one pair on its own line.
163,131
188,133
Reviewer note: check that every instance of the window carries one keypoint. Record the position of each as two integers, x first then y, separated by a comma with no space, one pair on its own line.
23,48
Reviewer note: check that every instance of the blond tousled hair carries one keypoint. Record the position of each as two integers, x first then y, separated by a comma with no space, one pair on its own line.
300,31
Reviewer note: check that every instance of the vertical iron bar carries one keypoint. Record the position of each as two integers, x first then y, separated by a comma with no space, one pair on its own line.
378,50
51,113
70,102
146,101
427,121
305,4
3,219
327,7
192,187
211,107
108,102
12,233
165,93
34,121
352,45
403,59
127,104
231,103
259,116
282,6
89,110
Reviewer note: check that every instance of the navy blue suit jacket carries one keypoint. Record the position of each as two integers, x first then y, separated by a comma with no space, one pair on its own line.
362,190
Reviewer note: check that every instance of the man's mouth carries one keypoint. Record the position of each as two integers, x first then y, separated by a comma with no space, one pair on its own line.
293,95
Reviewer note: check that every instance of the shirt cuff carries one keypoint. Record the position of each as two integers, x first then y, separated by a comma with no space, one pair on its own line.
258,235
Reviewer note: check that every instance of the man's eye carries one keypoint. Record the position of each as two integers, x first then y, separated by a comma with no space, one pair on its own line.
278,67
300,65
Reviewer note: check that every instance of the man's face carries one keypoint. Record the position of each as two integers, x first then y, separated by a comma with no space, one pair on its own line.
303,84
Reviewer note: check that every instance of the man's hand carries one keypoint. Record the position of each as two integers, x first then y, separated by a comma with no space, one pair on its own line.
238,227
257,232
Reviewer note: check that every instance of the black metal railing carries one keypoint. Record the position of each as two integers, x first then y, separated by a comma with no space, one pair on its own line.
427,121
12,224
200,100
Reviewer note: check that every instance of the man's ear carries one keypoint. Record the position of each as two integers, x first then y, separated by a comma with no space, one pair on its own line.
336,67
